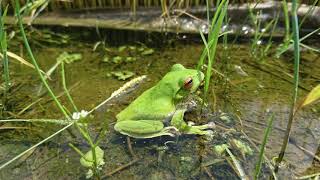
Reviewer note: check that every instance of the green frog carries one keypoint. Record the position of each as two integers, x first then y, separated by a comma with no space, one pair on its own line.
154,113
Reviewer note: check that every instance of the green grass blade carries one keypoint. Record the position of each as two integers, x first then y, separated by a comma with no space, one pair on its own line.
310,10
208,11
18,15
295,29
3,45
286,20
213,39
66,89
262,147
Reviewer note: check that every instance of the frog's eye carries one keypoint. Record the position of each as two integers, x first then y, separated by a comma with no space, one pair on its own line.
188,83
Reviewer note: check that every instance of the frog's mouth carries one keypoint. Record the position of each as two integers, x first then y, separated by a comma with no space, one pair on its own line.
201,79
201,83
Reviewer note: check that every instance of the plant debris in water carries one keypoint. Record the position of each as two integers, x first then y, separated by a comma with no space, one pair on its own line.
125,54
69,58
121,75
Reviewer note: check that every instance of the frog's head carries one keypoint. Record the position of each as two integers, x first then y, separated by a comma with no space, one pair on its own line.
183,81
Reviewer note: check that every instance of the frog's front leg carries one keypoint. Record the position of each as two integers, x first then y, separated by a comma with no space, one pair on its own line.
178,122
144,128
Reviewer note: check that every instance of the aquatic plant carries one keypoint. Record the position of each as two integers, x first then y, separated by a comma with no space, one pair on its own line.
262,147
287,42
287,22
75,117
26,43
92,157
35,8
295,30
5,60
258,51
286,45
211,44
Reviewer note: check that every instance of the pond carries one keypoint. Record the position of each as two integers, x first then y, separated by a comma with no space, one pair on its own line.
244,93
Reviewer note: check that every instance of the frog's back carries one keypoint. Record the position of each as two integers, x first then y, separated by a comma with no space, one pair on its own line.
151,104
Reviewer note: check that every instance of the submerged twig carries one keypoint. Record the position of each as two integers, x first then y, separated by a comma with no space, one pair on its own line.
130,148
192,16
208,173
309,153
308,176
121,168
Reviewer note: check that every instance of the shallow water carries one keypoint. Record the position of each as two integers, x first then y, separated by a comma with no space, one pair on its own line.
248,95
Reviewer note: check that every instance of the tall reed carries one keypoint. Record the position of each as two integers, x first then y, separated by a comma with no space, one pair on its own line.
262,147
210,49
295,31
26,43
66,89
3,46
286,20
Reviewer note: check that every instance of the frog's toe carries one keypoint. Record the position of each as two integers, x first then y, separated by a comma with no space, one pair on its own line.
209,135
211,125
190,123
209,132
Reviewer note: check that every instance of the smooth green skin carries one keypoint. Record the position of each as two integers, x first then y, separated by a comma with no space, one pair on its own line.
144,117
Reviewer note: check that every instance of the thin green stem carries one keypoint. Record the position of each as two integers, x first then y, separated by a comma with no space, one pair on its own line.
295,29
286,20
208,11
214,36
3,45
66,89
262,147
17,8
265,51
308,12
77,150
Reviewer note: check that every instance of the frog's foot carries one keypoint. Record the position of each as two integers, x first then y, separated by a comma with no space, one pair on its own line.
209,135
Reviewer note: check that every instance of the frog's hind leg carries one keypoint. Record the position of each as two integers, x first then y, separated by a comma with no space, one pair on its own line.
177,121
143,128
